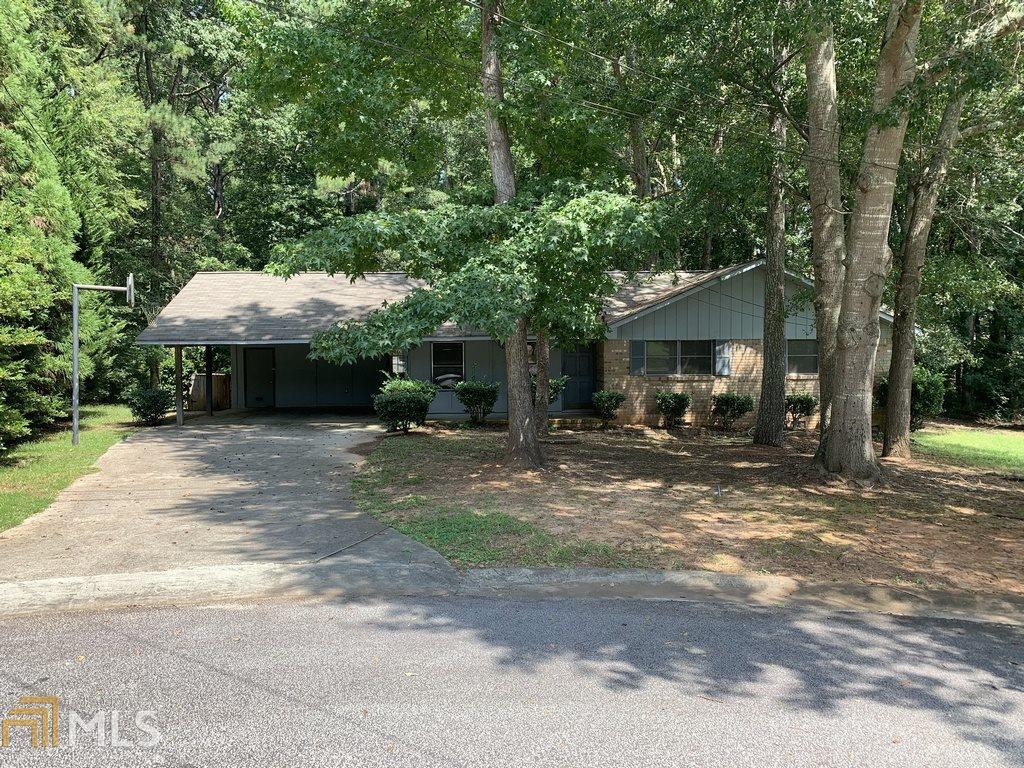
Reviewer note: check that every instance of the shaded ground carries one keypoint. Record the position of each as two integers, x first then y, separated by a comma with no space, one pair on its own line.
231,490
566,683
682,501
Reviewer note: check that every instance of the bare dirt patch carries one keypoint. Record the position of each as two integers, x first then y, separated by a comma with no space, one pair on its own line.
685,501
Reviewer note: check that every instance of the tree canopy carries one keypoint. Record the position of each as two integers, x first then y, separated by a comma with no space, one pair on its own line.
160,137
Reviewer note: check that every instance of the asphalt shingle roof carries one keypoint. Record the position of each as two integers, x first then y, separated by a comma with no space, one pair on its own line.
254,307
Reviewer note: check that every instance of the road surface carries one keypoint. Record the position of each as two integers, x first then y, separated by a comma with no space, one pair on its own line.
482,682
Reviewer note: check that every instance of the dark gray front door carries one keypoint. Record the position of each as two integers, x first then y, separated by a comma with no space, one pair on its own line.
259,377
578,365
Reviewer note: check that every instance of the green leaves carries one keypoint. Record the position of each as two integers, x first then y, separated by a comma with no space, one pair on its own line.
483,267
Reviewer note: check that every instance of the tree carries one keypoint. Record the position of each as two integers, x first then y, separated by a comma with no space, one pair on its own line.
898,80
523,445
828,227
61,196
770,426
922,199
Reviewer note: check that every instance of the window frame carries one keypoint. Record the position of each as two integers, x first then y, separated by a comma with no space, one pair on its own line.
434,366
816,357
677,372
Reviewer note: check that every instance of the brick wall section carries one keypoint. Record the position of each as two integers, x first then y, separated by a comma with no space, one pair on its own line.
639,408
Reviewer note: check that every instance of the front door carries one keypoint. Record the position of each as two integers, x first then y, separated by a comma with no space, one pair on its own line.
259,377
578,365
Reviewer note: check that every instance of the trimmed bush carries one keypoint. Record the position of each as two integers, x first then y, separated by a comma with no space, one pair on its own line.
402,403
799,408
926,395
606,403
673,406
727,407
478,397
148,406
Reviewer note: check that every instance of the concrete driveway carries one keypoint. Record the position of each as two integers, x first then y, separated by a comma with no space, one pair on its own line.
228,491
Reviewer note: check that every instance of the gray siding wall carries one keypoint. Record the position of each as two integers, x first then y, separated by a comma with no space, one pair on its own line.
484,359
731,309
301,382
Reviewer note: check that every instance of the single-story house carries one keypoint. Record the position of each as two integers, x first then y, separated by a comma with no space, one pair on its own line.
696,332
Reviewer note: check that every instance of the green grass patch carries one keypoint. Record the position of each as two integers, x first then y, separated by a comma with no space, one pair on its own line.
469,536
34,473
978,447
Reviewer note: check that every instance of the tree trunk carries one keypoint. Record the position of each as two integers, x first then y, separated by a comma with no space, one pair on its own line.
640,169
849,449
499,147
156,197
717,142
523,445
771,413
543,389
921,205
828,228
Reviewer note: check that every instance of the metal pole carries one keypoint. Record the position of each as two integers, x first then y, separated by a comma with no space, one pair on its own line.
178,407
74,365
129,291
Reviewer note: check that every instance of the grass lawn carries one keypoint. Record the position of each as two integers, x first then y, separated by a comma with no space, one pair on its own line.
655,499
34,473
979,447
468,536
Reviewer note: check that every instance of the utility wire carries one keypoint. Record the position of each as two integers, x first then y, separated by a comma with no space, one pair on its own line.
616,61
507,81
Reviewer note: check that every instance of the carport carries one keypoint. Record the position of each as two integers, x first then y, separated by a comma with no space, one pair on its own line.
267,323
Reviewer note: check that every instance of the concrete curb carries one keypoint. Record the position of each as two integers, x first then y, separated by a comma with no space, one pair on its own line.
341,580
224,582
767,591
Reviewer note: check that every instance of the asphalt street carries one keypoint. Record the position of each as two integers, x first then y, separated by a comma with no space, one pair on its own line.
491,682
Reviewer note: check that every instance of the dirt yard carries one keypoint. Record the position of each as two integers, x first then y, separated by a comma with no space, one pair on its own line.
683,501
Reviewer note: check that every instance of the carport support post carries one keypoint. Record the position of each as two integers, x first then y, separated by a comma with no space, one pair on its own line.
179,408
209,380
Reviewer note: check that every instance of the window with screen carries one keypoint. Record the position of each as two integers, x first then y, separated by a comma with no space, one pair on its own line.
447,363
802,355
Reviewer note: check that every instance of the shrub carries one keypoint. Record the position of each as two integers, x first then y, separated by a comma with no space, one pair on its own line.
401,403
729,406
555,387
799,408
478,397
926,395
673,406
606,403
148,406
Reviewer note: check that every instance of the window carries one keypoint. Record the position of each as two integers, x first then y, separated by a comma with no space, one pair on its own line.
400,363
697,357
670,358
636,358
802,355
447,363
661,358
